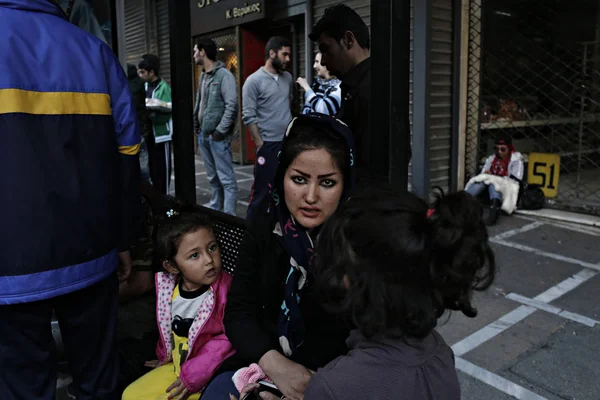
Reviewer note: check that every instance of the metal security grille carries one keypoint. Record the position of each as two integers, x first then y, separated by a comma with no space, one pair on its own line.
533,74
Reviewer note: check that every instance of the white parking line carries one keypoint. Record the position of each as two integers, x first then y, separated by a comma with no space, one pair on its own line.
520,313
546,254
492,330
540,305
496,381
513,232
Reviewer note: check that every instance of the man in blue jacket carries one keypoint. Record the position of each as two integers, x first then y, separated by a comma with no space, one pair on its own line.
70,191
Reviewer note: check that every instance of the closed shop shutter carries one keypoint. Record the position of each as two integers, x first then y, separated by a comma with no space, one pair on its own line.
162,38
301,35
362,7
300,61
136,39
440,114
441,82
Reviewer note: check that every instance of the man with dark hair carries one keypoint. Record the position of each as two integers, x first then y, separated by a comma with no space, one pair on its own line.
267,97
70,174
344,44
214,121
162,124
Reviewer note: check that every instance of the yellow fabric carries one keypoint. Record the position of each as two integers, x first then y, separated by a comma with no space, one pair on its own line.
153,385
180,344
53,103
130,150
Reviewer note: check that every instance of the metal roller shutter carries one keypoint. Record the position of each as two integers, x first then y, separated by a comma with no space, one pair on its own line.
301,42
362,7
440,117
136,39
441,82
162,38
302,38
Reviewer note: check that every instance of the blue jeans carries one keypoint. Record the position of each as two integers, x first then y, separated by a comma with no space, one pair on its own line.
220,388
218,163
477,188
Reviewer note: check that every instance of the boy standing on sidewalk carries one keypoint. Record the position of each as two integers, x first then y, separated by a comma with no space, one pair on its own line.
162,123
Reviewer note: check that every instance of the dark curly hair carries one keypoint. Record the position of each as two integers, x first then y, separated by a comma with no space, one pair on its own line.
382,262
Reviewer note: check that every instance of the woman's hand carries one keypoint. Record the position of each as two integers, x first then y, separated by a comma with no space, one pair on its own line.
303,84
290,378
180,391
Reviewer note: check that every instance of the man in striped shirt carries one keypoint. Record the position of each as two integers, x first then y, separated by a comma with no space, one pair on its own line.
325,96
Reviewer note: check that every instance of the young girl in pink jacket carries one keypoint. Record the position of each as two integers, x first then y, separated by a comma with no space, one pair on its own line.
190,301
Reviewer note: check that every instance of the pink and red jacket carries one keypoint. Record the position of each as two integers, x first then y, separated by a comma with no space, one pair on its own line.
208,345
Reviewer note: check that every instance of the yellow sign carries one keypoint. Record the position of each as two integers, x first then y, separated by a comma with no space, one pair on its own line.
544,170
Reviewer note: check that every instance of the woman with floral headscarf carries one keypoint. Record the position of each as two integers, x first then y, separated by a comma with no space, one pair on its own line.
274,320
501,176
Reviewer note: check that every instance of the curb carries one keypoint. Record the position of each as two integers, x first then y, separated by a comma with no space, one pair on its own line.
563,216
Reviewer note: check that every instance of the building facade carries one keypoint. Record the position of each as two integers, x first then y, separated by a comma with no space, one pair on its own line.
241,29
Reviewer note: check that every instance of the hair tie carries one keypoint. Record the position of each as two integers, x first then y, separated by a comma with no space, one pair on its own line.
430,212
171,213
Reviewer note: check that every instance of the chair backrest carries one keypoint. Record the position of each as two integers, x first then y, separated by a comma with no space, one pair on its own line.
230,232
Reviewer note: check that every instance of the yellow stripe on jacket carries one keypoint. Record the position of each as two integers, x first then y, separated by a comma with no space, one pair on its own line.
53,103
130,150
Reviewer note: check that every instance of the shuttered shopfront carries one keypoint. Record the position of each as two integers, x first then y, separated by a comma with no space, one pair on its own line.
441,113
136,38
162,38
147,32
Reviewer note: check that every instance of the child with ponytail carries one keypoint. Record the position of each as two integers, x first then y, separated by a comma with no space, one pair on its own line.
393,266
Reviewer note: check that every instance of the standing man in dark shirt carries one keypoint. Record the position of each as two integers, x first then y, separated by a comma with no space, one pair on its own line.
344,43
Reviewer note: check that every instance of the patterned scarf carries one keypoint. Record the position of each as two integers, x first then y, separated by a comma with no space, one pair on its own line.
500,166
298,243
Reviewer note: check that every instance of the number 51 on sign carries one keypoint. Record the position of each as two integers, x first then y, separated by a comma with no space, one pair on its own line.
544,171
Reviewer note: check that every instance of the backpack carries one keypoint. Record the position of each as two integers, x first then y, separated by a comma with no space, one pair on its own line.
532,198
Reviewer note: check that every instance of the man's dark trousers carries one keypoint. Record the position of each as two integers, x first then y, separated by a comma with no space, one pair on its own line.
87,320
265,168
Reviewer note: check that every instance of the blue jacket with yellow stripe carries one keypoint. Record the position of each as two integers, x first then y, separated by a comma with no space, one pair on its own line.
69,170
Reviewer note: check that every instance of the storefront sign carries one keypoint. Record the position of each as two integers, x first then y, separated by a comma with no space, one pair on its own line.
544,170
213,15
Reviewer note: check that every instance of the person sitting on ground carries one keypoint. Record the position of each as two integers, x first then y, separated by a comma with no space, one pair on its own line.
394,267
190,302
325,96
501,175
273,318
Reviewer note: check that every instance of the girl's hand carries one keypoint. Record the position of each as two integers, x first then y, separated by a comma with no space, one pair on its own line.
152,364
180,391
290,378
303,84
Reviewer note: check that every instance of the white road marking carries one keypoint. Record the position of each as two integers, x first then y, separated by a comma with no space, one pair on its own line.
492,330
496,381
546,254
513,232
540,305
520,313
